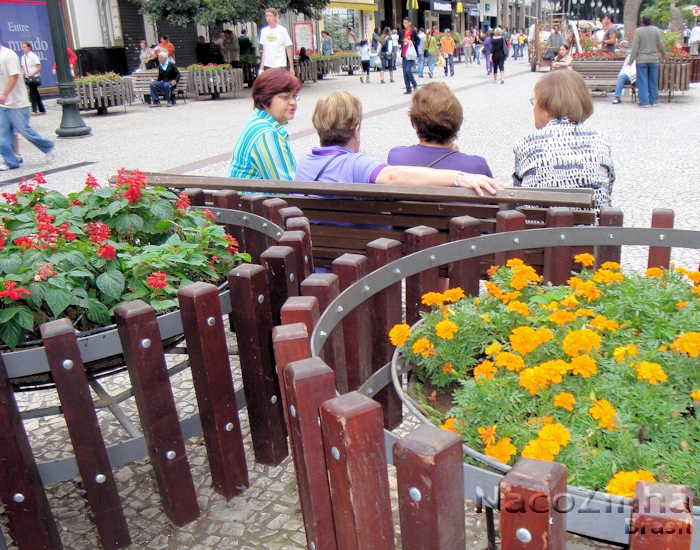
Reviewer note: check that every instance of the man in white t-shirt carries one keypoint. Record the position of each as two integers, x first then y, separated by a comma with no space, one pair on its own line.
276,44
14,112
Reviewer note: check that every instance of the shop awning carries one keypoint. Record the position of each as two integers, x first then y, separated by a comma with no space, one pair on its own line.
365,5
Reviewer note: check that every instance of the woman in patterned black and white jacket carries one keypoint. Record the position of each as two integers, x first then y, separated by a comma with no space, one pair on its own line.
562,152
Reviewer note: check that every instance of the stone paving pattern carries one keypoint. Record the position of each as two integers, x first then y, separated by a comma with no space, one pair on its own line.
655,153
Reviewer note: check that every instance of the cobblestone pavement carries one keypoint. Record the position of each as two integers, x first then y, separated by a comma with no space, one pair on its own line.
655,153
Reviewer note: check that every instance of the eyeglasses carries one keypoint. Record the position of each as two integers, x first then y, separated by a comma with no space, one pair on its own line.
533,101
289,97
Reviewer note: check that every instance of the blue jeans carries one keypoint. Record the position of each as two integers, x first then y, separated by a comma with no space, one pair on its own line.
160,87
386,61
450,62
408,77
14,121
648,83
477,54
622,80
421,64
516,51
432,58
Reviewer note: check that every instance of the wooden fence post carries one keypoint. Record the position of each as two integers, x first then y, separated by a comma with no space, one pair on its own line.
196,196
661,517
465,274
509,220
298,240
660,256
301,309
145,361
557,260
353,440
289,213
226,198
386,312
271,210
609,217
302,224
430,481
255,241
325,287
290,343
21,491
307,384
357,324
534,503
281,265
250,299
207,348
420,238
81,419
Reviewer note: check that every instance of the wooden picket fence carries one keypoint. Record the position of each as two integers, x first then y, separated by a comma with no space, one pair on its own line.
337,432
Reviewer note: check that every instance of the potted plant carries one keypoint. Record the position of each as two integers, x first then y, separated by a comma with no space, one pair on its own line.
101,91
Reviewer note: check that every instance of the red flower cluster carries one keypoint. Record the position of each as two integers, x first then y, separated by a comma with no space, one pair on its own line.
68,235
75,202
24,187
45,271
208,214
10,198
156,280
39,178
599,56
106,252
183,201
25,243
91,182
4,232
48,232
13,293
233,246
98,232
135,180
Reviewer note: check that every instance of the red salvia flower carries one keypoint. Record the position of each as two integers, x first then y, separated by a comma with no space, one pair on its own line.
233,243
39,178
106,252
183,201
68,235
10,198
75,202
24,187
98,232
156,280
25,243
133,194
13,293
208,214
91,182
45,271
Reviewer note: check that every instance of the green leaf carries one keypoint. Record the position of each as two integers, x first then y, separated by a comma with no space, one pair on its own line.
128,223
105,193
111,283
163,209
80,273
116,206
7,314
163,225
37,290
11,264
75,258
11,334
56,200
98,313
25,318
58,299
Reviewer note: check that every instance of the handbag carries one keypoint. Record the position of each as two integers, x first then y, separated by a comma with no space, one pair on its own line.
547,55
34,80
440,61
411,54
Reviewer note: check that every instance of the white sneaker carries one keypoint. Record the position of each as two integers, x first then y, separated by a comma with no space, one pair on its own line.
4,167
51,155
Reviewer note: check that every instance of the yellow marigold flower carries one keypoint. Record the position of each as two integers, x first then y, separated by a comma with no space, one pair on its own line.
432,299
449,424
585,259
484,371
681,305
584,366
693,276
537,448
514,262
522,274
688,343
524,340
424,347
651,372
447,368
606,276
488,434
477,301
610,265
577,341
604,413
620,354
486,317
543,335
552,371
509,296
682,270
446,329
399,334
589,291
491,271
584,312
551,306
453,294
695,396
565,400
510,361
519,307
601,322
493,289
662,348
654,272
624,483
493,348
533,380
561,317
573,282
501,451
556,432
539,421
569,301
695,289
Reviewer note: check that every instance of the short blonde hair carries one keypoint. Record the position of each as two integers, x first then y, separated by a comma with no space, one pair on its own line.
563,94
335,118
273,11
436,114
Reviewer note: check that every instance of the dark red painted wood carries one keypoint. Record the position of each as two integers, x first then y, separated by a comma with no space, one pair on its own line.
89,448
386,312
308,383
609,217
290,343
464,274
28,511
271,210
357,325
429,460
289,213
660,256
196,196
296,239
250,301
325,287
227,198
557,260
281,265
420,238
509,220
255,241
143,352
207,348
353,440
532,493
302,224
301,309
661,517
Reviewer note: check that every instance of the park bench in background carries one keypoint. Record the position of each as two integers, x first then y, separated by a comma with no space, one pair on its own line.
602,75
141,83
101,95
216,82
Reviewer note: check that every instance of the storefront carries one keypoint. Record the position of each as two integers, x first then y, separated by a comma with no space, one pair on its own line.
359,15
439,15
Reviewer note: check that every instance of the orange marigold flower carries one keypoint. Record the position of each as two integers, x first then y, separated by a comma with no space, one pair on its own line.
695,289
510,361
565,400
620,354
573,282
446,329
606,276
447,368
561,317
651,372
450,425
695,396
493,348
543,335
486,317
514,262
569,301
551,306
552,371
577,341
521,275
538,449
556,432
488,434
584,312
681,305
588,290
688,343
519,307
501,451
601,322
585,259
424,347
399,334
584,366
604,413
493,289
524,340
491,271
654,272
693,276
484,371
610,265
432,299
532,380
453,294
624,483
509,296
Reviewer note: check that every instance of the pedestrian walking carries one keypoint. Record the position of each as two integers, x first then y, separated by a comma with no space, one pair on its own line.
646,46
448,51
468,45
421,52
694,39
409,53
487,53
386,54
276,44
432,49
365,56
478,46
326,43
499,50
31,71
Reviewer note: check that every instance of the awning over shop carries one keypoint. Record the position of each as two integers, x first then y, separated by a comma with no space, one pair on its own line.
364,5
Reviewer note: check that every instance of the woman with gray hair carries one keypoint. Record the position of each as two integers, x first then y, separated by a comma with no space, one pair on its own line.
147,57
498,55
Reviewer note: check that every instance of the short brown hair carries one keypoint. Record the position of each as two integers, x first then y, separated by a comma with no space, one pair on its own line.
335,118
436,113
271,83
273,11
563,94
28,44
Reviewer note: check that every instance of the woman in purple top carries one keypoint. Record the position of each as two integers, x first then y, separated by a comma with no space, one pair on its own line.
337,118
436,116
487,52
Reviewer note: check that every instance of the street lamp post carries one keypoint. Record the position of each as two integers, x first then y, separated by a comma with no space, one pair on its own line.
72,123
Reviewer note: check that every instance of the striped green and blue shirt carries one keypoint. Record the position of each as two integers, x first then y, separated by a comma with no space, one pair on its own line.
262,151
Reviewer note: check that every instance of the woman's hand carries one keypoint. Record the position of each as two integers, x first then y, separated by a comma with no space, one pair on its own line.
478,183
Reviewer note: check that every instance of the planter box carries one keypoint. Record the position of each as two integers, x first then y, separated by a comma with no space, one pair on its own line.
216,82
694,70
308,70
674,76
349,63
250,72
102,95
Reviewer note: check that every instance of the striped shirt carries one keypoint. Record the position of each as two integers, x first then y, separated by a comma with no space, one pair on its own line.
262,151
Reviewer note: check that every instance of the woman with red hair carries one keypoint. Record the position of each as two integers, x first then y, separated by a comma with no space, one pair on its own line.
262,149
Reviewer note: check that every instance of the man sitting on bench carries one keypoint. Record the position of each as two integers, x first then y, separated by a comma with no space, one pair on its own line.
168,77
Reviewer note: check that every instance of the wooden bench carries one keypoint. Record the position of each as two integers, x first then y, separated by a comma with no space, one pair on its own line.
217,82
141,83
308,70
101,95
602,75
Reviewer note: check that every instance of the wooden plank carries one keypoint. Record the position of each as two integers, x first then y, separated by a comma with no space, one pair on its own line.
465,274
300,243
557,261
22,494
79,413
353,440
230,200
281,265
417,239
289,213
509,220
609,217
195,195
207,348
302,224
271,209
661,517
660,256
255,242
301,309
